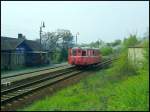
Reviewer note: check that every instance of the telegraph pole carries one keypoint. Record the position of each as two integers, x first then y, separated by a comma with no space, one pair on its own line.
76,37
42,26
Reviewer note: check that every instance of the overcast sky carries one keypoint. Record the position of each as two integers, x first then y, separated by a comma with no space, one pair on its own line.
92,19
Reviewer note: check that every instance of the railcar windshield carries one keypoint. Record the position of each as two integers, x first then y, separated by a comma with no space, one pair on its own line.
74,53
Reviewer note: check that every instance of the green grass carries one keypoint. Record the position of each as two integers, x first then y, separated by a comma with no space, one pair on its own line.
131,94
100,91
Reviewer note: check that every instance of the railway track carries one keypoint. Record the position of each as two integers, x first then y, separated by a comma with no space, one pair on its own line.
13,93
22,90
13,81
106,62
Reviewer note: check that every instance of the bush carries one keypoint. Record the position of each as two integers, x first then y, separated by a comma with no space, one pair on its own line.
59,56
64,54
106,50
123,65
130,41
56,57
146,55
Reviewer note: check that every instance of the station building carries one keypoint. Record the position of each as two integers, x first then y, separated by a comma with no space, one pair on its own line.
19,52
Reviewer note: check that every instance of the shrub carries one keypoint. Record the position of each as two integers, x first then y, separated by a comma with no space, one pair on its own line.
106,50
123,65
146,55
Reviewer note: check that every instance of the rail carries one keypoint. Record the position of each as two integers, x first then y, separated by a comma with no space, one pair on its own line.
17,92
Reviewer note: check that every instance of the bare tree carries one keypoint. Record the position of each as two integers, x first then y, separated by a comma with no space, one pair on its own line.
60,39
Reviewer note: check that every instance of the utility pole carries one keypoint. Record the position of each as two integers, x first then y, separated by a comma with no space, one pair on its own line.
76,37
42,26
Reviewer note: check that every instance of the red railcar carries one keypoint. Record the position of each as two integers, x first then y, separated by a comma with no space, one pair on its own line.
83,56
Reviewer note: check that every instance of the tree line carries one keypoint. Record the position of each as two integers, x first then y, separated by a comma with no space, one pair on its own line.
57,44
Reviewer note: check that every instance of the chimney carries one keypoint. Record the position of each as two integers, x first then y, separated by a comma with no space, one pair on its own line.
20,36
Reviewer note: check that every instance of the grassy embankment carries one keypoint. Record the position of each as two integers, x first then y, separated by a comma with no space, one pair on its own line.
101,91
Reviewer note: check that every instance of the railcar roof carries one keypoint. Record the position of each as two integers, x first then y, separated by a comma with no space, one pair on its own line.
85,48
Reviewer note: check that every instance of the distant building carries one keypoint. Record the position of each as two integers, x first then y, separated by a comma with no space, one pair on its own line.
135,53
17,52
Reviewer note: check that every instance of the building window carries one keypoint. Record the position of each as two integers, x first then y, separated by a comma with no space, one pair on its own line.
20,50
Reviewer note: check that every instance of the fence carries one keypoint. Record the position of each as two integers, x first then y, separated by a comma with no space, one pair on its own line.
12,60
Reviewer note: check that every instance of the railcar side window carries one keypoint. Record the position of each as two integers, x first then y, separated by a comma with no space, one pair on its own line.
83,53
73,52
88,52
79,52
93,53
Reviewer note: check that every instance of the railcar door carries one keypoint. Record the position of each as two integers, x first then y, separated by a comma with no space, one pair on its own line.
84,57
88,56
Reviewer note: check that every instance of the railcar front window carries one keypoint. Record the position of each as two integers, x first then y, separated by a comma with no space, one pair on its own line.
74,52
